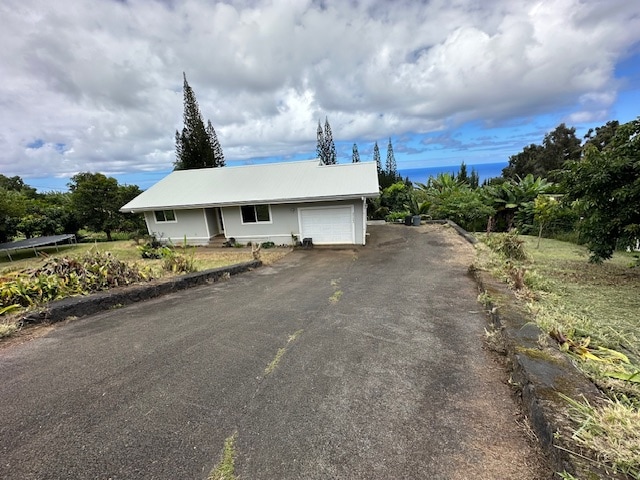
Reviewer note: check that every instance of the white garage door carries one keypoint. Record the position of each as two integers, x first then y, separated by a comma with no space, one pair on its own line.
328,225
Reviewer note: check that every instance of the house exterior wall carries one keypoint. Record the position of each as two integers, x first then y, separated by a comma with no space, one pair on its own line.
285,223
191,224
200,225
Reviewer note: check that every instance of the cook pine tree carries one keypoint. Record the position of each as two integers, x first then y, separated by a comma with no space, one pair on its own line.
392,168
376,157
325,148
215,145
197,146
320,143
355,157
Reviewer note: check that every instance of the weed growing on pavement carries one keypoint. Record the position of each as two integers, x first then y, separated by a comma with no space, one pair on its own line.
274,363
335,298
225,469
294,336
280,353
337,294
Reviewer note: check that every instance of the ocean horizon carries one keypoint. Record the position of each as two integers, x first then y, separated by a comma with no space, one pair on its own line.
485,171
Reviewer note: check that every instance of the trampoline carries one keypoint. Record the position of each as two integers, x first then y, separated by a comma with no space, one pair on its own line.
34,243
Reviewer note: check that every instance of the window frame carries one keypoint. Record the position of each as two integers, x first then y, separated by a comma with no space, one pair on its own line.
164,215
255,212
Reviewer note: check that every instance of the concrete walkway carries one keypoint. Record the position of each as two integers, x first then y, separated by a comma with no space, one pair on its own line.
364,363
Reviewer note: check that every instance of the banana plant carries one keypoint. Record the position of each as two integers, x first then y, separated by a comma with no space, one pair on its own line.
414,207
508,197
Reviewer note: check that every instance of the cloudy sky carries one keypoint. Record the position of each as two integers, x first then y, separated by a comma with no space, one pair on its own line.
97,85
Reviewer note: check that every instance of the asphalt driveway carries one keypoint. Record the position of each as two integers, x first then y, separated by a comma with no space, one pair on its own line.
354,363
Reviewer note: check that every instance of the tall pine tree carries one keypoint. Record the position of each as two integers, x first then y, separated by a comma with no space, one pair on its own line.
376,157
320,151
326,149
195,144
474,178
330,148
462,176
355,157
392,168
218,156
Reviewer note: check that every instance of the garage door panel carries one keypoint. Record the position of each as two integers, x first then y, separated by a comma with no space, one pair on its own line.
328,225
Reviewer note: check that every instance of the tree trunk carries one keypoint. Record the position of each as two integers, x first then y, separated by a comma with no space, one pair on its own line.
108,232
539,235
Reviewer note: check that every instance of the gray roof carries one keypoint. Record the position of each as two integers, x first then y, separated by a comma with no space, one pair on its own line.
287,182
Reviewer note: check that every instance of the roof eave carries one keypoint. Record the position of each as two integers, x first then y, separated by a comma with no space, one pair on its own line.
275,201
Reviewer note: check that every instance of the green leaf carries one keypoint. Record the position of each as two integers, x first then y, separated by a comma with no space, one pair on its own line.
634,377
9,308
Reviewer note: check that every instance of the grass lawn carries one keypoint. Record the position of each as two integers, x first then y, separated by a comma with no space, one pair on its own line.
126,250
606,297
596,308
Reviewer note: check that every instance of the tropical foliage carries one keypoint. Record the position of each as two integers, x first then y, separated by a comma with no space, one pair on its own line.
65,276
606,185
93,202
96,201
593,198
447,197
513,201
558,147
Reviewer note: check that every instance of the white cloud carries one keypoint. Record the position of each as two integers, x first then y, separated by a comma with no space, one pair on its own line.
103,78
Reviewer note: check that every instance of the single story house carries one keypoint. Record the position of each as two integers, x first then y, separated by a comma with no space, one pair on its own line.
277,202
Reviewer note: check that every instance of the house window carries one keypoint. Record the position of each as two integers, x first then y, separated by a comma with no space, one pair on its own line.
164,216
256,214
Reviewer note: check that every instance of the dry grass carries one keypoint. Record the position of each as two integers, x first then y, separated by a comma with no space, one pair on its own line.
126,250
219,257
595,307
612,431
8,328
600,301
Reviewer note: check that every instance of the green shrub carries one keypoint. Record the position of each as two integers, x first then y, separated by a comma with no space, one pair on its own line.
509,245
152,249
175,262
267,244
394,217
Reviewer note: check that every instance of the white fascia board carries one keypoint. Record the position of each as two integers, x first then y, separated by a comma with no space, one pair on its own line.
276,201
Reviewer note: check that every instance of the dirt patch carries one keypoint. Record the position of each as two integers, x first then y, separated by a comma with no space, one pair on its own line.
597,275
25,335
508,449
